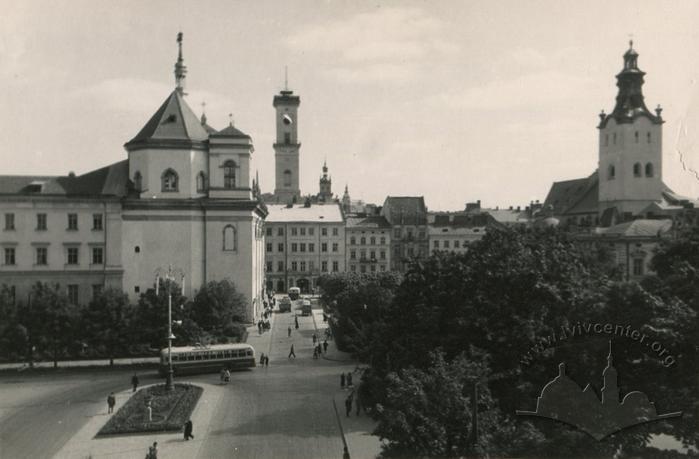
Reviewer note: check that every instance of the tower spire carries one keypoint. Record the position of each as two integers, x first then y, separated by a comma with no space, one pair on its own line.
180,68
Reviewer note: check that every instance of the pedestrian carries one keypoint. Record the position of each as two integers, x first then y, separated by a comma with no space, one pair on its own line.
223,375
349,379
227,376
288,332
134,382
320,349
188,427
153,451
266,361
325,317
315,338
296,322
315,353
342,381
325,346
111,401
262,359
291,352
348,405
259,327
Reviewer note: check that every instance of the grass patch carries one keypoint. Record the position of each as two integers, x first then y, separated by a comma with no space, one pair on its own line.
171,409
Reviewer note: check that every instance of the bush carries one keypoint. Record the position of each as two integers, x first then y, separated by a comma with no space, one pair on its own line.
171,409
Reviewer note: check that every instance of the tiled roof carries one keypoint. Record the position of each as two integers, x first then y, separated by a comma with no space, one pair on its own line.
405,210
567,194
637,228
173,121
367,222
231,131
316,213
111,180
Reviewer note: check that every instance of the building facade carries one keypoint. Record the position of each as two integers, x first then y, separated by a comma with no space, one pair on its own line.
455,231
182,199
407,216
368,241
303,242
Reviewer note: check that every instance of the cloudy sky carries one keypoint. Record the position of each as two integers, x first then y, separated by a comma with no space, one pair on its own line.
453,100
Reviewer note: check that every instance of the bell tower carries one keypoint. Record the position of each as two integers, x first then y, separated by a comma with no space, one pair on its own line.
286,147
630,147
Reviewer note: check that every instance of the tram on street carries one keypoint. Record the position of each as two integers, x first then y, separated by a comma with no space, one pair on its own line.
207,359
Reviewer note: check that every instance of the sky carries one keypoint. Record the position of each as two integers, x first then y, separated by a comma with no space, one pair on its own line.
454,100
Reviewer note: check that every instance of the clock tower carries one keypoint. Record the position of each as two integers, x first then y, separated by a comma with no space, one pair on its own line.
286,147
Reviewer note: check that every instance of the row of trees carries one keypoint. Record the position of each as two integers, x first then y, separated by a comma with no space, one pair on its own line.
48,326
459,321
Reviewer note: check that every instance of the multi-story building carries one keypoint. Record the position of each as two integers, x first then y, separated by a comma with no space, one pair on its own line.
456,231
182,198
407,216
368,244
303,242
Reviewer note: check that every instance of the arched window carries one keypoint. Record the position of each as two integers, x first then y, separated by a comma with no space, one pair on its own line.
611,172
201,181
229,174
170,180
637,170
138,181
230,239
287,177
649,169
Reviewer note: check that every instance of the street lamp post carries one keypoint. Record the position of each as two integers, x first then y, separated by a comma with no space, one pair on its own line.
169,277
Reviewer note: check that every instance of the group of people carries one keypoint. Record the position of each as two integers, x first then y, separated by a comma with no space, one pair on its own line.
319,348
263,324
352,398
225,375
346,381
111,398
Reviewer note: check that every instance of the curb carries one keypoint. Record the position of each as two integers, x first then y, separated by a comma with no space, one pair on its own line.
315,325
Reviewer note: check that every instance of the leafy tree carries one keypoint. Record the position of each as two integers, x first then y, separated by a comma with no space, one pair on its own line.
150,325
12,334
217,305
108,320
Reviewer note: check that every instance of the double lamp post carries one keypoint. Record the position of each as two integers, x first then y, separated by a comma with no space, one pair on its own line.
169,277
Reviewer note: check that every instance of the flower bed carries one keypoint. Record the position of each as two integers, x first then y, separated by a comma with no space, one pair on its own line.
170,410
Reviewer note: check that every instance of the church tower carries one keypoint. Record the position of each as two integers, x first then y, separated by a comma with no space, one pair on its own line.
286,148
346,203
630,147
325,186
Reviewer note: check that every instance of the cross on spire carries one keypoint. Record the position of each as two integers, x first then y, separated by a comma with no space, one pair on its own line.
230,119
180,68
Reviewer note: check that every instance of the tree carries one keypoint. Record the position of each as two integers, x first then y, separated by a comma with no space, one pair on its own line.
150,326
217,305
108,320
13,336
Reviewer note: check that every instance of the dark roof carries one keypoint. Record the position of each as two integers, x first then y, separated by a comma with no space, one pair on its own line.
111,180
367,222
231,131
173,124
638,228
405,210
566,195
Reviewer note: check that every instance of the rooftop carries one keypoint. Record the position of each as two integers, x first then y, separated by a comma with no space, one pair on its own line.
368,222
299,213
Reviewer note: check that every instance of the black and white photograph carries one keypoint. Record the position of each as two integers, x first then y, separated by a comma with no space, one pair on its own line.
320,229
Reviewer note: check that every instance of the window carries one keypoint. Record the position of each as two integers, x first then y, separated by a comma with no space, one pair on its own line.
97,255
411,252
648,137
287,138
456,244
382,268
606,139
649,169
336,266
324,247
410,233
611,172
336,232
302,265
280,231
396,233
396,252
446,244
269,267
41,255
9,256
372,240
637,170
9,221
294,266
311,231
421,235
614,138
302,246
280,247
324,266
294,231
373,268
436,244
372,255
230,239
169,181
269,247
294,247
362,254
287,177
324,231
72,256
311,266
311,247
137,289
138,181
303,231
229,174
97,222
353,254
268,231
383,240
137,249
362,240
280,266
201,182
41,222
73,222
353,268
96,290
382,254
362,268
335,246
353,241
73,293
638,266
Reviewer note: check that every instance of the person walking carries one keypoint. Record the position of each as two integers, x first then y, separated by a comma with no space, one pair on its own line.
325,346
288,332
315,338
226,376
291,352
342,381
266,361
348,405
262,359
153,451
296,322
134,382
188,427
111,401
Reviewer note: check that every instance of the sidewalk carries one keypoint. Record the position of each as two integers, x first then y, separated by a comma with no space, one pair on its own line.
333,353
21,366
84,445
